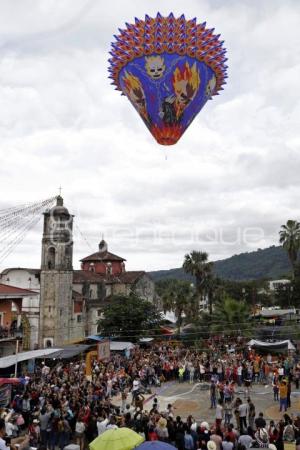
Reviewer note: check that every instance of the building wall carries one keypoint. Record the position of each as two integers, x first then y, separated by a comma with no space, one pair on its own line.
100,267
145,288
56,308
25,279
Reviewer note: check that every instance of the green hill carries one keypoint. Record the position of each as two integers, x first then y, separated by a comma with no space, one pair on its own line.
268,263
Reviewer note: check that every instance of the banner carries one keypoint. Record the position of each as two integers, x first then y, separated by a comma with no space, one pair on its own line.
5,395
103,351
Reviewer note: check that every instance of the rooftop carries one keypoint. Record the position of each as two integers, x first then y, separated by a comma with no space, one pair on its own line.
12,291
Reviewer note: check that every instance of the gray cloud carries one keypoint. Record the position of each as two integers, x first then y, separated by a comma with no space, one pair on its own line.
61,123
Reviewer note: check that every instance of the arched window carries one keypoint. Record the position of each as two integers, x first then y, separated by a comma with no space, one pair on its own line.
51,258
99,329
48,343
109,268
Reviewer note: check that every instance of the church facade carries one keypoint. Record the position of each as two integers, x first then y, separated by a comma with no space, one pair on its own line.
67,303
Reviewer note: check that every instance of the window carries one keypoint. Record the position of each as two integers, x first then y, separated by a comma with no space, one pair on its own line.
51,258
79,317
99,312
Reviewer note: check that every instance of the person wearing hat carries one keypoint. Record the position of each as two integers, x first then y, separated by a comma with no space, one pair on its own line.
162,430
211,445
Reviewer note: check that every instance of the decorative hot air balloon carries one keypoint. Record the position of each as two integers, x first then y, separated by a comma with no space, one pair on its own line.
168,68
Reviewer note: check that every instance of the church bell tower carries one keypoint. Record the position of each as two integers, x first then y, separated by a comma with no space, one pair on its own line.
56,306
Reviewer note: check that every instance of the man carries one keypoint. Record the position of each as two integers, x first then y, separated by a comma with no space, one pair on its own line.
135,389
213,396
245,439
243,411
260,421
251,413
22,441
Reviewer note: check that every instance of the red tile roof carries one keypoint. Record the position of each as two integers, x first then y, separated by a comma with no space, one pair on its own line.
81,276
102,256
131,276
7,290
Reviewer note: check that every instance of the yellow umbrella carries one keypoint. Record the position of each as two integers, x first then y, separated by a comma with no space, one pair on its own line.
117,439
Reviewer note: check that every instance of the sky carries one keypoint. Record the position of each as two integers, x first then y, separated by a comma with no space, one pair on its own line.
225,188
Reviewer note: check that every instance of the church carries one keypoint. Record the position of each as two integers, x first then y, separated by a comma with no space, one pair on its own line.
63,305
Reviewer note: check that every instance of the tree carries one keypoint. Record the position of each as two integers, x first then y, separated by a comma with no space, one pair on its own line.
231,316
196,264
129,317
178,297
289,237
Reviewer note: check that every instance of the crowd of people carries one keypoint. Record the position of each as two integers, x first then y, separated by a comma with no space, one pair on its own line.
58,405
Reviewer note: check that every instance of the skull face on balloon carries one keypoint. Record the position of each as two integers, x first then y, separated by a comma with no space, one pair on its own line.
168,68
155,66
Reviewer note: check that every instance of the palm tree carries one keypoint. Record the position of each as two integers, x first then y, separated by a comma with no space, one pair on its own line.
231,316
289,237
196,264
178,298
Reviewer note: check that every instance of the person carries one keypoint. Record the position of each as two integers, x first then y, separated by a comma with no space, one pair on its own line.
262,438
246,439
21,442
217,437
260,421
251,413
213,396
192,374
227,444
289,432
227,413
102,422
79,430
162,430
243,411
283,392
188,440
219,414
275,389
135,389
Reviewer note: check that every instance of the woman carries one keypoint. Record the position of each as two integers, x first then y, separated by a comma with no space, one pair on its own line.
79,432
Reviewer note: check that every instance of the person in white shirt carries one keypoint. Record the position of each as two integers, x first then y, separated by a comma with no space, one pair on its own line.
219,414
23,441
102,424
135,388
243,412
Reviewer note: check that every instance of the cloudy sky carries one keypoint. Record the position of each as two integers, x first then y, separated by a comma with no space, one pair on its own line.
226,187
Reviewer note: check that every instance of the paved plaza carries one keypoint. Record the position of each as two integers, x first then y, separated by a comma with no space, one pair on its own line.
195,399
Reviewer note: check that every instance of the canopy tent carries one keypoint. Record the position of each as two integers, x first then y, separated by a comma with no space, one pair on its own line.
115,346
11,360
277,345
120,346
94,337
68,352
270,313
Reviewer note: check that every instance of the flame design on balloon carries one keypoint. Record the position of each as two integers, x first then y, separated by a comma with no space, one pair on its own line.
168,68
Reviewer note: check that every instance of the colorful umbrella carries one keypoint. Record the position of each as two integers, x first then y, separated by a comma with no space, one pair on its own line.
155,445
117,439
168,68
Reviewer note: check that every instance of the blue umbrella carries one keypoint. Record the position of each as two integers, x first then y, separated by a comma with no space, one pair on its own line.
155,445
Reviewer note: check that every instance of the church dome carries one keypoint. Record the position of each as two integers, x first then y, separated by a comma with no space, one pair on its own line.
59,209
103,246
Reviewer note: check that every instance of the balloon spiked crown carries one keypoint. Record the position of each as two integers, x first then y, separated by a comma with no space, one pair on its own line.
168,68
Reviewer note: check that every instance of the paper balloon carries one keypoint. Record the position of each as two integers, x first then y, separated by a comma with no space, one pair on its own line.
168,68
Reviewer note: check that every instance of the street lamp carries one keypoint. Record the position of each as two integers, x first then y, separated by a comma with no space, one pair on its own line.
18,336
